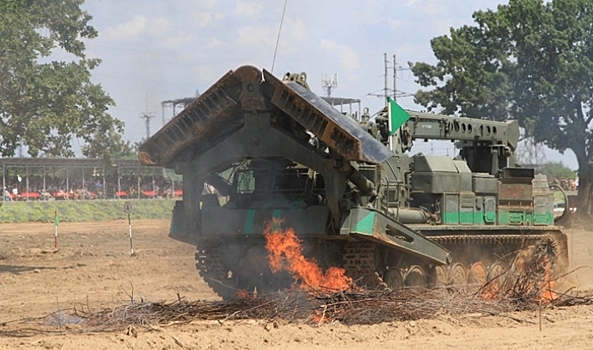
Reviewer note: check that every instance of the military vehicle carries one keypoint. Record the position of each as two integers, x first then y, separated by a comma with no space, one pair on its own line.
254,147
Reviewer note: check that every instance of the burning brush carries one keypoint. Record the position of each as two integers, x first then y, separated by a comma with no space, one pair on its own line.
286,253
530,276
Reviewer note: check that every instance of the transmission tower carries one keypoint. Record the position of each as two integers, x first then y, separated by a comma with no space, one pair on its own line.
147,117
176,103
530,153
328,83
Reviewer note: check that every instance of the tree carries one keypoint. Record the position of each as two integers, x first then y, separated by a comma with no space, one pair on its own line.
45,102
109,145
528,60
558,170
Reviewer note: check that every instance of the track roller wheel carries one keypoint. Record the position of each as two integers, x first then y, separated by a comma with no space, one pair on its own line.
477,274
457,274
440,276
415,277
393,278
496,270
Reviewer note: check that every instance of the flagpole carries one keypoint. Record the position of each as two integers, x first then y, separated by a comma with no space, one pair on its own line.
389,124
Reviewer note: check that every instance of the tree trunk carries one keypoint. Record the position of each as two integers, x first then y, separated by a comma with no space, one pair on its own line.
585,194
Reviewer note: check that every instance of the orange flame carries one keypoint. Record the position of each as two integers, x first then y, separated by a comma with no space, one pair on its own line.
546,293
319,317
242,294
286,253
492,291
541,287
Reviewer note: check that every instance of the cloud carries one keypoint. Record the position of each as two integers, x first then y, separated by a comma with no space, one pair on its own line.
177,41
204,19
157,26
136,27
205,73
248,9
201,18
127,30
344,54
214,42
296,28
256,36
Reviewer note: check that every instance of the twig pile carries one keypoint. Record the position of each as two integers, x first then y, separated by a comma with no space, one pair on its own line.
289,306
354,307
525,285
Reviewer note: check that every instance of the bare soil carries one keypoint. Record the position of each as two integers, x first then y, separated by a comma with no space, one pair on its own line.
93,269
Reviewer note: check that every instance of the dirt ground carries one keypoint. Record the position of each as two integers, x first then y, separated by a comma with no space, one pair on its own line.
93,267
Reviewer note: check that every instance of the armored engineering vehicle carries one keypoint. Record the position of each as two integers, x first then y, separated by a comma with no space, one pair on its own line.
254,147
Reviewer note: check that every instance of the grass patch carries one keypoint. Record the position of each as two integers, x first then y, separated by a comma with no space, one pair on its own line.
82,211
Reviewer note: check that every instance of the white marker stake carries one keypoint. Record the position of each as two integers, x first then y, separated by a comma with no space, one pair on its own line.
128,210
130,230
56,223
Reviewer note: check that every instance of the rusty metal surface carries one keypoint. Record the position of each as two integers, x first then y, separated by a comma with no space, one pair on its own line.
243,90
211,108
339,132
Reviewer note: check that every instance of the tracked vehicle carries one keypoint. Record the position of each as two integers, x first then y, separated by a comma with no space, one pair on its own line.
254,147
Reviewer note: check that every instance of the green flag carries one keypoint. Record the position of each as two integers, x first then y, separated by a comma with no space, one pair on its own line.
56,221
397,116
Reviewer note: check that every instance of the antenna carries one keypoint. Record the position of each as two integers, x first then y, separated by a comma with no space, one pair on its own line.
278,38
328,83
147,117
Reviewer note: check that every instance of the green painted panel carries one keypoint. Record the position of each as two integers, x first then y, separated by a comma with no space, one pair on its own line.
475,218
451,218
249,219
514,218
466,218
490,217
365,225
543,219
277,213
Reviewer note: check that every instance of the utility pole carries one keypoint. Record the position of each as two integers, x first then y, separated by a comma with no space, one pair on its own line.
386,88
394,79
147,117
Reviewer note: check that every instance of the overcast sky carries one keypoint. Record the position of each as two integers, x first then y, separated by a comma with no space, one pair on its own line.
159,50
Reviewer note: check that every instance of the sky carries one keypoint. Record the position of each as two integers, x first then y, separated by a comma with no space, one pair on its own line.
154,51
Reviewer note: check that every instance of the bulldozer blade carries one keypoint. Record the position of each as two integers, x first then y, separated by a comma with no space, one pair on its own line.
341,133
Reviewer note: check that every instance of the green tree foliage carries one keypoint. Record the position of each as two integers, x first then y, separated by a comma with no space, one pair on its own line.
557,170
109,145
46,102
528,60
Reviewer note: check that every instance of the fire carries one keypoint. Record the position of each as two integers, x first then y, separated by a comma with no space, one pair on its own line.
529,276
319,317
242,294
491,291
286,253
548,283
